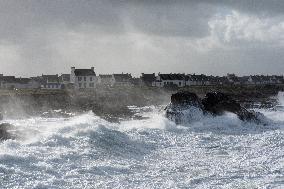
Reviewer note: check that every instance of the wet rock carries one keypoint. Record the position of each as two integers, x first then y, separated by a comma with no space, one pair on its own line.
213,103
185,99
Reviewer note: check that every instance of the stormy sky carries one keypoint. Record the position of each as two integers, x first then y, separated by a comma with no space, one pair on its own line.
186,36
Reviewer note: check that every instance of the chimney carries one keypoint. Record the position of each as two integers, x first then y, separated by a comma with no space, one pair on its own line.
92,68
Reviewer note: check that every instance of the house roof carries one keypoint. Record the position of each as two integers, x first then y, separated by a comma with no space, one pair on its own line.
195,77
172,76
122,77
84,72
8,79
148,77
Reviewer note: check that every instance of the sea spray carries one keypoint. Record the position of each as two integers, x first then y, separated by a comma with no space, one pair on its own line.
86,151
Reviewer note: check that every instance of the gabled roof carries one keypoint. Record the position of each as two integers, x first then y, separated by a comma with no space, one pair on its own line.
172,76
8,79
148,77
195,77
84,72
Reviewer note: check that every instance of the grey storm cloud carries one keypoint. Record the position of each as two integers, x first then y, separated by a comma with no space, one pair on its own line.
42,36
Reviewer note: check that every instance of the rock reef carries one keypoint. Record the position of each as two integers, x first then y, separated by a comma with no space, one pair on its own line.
214,103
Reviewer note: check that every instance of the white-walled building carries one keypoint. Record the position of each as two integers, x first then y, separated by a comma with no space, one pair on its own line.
83,78
168,80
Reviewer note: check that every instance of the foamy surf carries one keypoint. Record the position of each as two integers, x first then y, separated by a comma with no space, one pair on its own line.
86,151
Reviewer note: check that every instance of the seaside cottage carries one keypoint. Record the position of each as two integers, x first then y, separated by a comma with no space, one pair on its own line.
83,78
199,80
11,82
7,82
121,80
64,79
50,82
170,80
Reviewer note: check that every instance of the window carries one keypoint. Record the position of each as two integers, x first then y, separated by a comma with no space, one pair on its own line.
85,85
79,78
91,78
179,83
80,85
91,85
85,78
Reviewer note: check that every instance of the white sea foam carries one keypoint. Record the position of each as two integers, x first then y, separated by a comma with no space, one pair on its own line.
86,151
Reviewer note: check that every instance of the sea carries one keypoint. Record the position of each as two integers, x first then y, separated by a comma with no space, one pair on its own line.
86,151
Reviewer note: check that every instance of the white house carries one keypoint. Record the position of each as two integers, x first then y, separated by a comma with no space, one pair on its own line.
164,80
83,78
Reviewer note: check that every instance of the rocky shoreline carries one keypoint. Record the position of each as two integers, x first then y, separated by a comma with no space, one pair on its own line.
114,102
185,106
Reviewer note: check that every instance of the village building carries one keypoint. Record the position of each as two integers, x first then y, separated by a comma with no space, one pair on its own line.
50,82
148,79
64,79
170,80
121,80
105,79
194,79
11,82
136,81
233,79
83,78
7,82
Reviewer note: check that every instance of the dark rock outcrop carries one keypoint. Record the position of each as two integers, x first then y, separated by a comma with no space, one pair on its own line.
184,106
214,103
4,131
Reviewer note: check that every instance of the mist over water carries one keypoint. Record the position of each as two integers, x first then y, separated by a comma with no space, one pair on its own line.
86,151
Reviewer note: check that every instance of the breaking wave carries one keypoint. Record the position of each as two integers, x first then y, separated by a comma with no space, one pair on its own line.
86,151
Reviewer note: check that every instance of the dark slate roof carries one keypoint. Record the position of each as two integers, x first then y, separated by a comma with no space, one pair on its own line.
148,77
84,72
9,79
172,76
122,77
195,77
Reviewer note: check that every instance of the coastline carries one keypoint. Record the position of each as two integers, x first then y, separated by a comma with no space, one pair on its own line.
114,101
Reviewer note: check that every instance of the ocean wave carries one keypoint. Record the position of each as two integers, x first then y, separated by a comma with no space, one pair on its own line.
86,151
